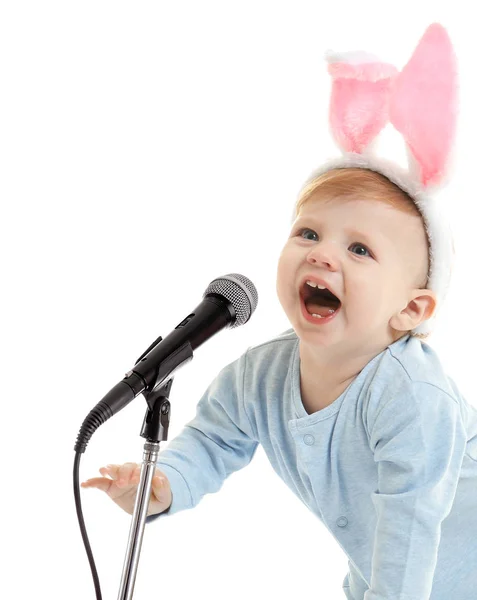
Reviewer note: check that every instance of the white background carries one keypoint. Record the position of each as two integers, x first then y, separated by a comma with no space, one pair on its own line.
147,148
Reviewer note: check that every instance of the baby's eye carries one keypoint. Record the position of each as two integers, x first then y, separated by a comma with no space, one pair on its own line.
364,247
305,229
357,244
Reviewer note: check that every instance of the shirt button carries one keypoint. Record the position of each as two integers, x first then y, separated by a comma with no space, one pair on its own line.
309,440
342,522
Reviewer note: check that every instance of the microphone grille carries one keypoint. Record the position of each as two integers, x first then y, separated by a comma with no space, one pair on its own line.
239,291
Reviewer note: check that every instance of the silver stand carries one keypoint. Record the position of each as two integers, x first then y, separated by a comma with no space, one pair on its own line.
154,429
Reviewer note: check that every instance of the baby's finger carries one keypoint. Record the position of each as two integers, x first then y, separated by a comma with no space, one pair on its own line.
124,473
158,484
136,475
111,470
101,483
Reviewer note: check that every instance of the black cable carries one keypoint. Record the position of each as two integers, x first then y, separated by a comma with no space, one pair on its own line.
120,395
84,535
96,417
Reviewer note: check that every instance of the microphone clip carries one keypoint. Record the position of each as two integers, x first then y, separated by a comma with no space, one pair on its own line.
156,422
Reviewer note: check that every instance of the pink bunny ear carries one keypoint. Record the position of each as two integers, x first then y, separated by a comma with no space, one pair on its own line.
423,106
359,98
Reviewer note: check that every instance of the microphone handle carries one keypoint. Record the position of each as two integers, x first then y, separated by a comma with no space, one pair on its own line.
209,317
213,314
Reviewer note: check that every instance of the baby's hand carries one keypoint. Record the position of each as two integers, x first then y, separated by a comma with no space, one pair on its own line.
120,482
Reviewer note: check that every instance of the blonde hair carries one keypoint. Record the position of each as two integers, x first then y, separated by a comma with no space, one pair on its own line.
364,184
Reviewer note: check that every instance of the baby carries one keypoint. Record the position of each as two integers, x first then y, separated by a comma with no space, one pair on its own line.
372,253
351,406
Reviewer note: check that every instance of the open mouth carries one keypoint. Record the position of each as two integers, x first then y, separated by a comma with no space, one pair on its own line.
319,302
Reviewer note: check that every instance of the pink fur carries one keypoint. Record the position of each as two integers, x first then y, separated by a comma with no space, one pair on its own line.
423,103
358,112
373,71
420,101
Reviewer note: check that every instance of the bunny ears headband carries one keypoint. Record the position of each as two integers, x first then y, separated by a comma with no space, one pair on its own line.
421,103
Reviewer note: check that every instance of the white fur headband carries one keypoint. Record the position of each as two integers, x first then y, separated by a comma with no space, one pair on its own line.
421,103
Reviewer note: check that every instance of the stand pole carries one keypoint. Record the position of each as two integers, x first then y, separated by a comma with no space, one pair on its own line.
155,427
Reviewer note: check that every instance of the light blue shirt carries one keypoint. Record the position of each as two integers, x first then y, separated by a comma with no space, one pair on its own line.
390,467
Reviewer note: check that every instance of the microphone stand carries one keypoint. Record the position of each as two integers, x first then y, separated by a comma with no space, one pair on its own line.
154,429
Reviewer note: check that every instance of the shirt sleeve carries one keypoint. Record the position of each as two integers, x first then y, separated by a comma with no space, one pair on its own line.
419,440
217,442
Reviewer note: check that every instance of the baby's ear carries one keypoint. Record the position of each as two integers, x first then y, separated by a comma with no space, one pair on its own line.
421,306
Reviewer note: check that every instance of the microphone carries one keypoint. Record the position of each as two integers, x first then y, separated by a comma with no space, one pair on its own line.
228,301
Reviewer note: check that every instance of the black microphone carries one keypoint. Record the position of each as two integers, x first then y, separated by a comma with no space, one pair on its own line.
228,301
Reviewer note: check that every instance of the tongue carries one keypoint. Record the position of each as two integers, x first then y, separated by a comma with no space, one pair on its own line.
313,307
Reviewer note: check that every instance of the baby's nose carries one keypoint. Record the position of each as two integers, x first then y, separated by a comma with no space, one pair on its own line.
324,253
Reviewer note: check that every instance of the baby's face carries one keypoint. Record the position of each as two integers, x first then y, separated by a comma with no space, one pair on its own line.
371,255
